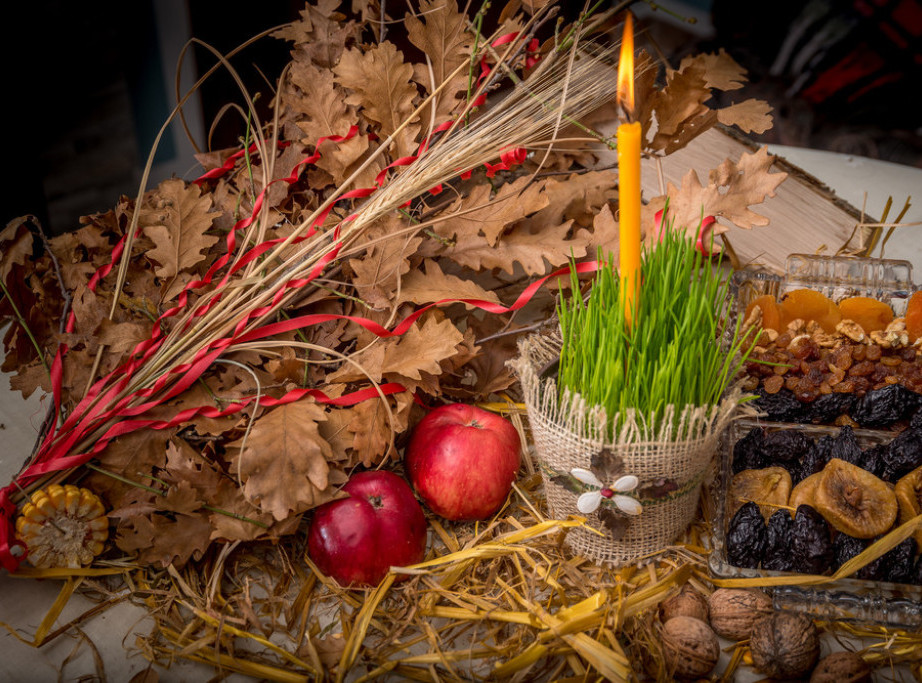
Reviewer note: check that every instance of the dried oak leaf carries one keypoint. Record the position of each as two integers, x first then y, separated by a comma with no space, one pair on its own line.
479,213
420,349
321,34
372,429
731,188
163,540
283,461
721,71
679,102
440,31
430,284
379,271
318,98
15,246
750,116
380,83
176,218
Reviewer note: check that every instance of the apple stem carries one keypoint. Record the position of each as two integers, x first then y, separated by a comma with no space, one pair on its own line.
474,423
375,501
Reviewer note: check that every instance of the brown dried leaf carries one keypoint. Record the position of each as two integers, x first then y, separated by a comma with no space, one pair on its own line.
380,83
378,272
527,248
176,218
430,285
15,246
750,116
283,462
721,71
731,189
440,31
490,216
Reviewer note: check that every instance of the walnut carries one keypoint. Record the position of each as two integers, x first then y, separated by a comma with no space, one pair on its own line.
754,320
734,610
797,326
826,341
690,646
770,334
687,602
784,645
852,330
841,667
894,336
814,328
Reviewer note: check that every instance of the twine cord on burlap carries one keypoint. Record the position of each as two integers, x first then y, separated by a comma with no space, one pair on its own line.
679,448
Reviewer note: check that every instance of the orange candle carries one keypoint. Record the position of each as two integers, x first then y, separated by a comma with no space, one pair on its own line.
629,134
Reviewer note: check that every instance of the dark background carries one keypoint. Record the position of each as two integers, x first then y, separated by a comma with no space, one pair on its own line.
89,85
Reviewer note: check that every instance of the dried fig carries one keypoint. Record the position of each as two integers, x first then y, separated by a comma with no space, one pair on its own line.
805,492
854,501
734,610
841,667
690,646
687,602
908,492
784,645
768,487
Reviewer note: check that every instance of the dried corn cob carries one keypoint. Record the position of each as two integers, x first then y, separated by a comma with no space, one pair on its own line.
63,526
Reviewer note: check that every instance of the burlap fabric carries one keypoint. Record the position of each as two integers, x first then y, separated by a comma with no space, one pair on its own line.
672,459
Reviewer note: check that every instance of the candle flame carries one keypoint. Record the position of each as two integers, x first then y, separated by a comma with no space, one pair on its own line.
626,68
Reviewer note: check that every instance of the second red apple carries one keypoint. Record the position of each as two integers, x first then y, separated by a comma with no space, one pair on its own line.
462,461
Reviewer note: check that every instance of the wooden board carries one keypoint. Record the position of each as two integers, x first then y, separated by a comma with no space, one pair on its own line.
805,215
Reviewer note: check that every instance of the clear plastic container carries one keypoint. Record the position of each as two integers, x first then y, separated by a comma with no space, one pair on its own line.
838,277
854,600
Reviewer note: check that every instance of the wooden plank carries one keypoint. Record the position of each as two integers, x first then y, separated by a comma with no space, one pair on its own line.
805,216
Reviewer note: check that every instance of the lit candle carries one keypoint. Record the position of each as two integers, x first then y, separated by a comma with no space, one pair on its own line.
628,177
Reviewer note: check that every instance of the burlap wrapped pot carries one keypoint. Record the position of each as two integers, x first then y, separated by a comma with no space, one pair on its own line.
671,459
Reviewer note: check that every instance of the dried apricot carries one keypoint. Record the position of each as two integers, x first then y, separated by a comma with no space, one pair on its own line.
771,315
870,313
808,304
914,316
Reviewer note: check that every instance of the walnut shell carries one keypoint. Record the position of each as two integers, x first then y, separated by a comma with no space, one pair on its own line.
687,602
841,667
690,646
784,644
734,610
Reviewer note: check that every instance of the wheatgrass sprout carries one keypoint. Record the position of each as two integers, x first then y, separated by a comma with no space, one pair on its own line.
674,354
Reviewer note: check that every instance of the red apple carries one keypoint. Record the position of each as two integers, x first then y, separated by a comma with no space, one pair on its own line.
356,540
462,461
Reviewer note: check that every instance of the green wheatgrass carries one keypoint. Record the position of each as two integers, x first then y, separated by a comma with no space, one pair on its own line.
673,355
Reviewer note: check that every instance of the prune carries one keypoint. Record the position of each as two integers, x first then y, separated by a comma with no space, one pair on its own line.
778,543
785,446
873,460
826,408
845,547
811,542
882,407
780,407
915,577
747,536
899,562
747,452
845,446
875,570
812,462
903,455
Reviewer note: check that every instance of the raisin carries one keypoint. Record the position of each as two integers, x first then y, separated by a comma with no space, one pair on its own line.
873,352
778,543
861,369
773,384
747,536
883,407
811,542
846,447
747,452
903,454
846,547
828,407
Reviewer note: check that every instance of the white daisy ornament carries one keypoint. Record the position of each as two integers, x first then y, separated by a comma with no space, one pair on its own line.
590,500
